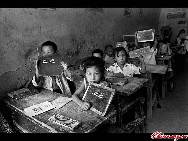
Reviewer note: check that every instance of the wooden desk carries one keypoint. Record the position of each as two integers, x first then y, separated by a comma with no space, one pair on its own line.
158,69
133,85
161,70
40,124
163,57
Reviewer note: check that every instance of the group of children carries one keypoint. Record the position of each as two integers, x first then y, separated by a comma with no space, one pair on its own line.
113,62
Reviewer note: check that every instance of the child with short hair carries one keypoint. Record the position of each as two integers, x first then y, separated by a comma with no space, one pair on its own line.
60,84
109,55
97,53
121,67
94,73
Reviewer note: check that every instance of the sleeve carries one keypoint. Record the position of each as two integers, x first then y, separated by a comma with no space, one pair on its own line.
169,50
135,69
111,69
34,81
66,71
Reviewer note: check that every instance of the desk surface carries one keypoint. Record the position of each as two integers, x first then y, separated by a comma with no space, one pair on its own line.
89,120
163,57
134,83
157,69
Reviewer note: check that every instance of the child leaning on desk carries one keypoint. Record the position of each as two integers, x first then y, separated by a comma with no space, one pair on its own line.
94,70
62,84
121,68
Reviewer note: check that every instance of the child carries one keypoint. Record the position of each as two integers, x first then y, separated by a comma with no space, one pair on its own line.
60,84
109,55
97,53
121,67
150,57
94,73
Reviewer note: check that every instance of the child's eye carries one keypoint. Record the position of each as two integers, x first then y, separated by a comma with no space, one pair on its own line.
88,73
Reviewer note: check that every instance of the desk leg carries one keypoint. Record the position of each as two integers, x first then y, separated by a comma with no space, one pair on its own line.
149,102
119,116
164,86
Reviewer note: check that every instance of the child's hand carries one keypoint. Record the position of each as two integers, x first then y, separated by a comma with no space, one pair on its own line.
141,58
85,106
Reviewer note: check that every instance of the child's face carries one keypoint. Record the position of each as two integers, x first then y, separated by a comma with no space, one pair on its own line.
109,51
93,74
97,55
47,50
121,58
182,35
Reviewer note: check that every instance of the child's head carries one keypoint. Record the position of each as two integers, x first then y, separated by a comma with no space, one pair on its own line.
48,48
181,33
94,69
109,50
97,53
121,55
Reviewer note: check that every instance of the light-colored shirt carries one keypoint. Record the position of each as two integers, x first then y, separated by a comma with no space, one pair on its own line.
150,57
128,69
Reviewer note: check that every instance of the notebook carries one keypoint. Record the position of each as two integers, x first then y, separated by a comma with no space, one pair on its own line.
50,66
64,122
145,35
99,97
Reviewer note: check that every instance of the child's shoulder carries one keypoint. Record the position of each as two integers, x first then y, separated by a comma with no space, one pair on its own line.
105,83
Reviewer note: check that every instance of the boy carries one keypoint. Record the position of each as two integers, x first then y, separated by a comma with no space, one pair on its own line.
49,58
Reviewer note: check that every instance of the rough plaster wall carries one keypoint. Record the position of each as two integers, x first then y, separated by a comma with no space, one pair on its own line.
163,21
75,30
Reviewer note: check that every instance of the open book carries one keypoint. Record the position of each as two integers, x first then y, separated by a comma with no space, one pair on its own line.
46,106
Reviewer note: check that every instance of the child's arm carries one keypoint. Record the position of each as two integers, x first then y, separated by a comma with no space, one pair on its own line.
143,65
143,68
82,104
66,71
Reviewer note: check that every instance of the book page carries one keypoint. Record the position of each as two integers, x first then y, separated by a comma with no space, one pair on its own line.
60,102
38,108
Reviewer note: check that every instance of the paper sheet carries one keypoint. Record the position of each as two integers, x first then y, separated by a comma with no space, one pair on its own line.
38,108
60,102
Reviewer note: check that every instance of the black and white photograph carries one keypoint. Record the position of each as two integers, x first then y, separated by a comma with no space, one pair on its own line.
131,64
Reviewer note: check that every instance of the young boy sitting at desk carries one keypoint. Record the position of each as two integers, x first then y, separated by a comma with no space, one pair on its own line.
121,67
61,83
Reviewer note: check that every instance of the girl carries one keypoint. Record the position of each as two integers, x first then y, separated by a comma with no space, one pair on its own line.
60,84
150,57
94,73
121,67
